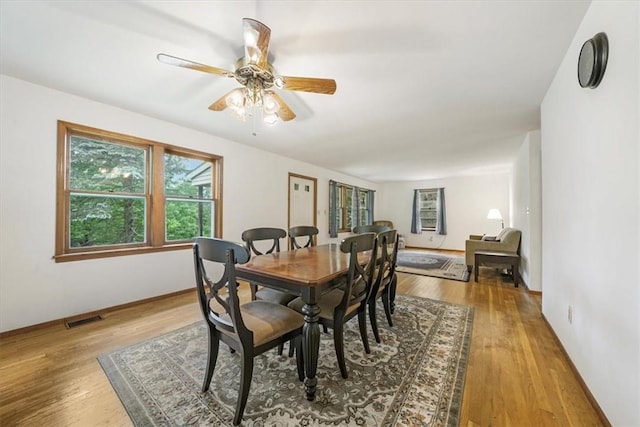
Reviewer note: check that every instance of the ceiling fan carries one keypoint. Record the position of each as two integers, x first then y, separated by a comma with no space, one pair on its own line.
256,75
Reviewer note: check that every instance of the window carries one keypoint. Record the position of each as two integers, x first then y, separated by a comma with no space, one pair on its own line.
118,195
363,204
345,206
349,206
429,212
429,208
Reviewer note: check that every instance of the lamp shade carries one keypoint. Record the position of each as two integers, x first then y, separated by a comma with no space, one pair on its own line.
494,214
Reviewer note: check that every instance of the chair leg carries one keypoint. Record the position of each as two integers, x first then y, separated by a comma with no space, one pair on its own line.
299,358
362,323
280,349
245,384
392,293
214,345
372,319
291,347
254,289
324,329
338,342
386,302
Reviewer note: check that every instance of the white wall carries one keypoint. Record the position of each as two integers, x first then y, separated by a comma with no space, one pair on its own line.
468,200
35,289
527,208
590,205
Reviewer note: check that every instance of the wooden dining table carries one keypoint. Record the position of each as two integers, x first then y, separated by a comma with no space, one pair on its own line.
308,273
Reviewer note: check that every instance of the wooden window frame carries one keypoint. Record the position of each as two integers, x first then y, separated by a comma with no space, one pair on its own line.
154,194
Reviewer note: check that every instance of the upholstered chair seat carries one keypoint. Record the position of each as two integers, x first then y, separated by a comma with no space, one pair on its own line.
266,320
330,301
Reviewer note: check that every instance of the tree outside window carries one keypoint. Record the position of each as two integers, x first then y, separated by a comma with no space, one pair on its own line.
119,194
429,208
363,205
345,207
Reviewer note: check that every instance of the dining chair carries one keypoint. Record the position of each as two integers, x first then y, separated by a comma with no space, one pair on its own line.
251,328
385,280
370,228
302,231
340,305
270,238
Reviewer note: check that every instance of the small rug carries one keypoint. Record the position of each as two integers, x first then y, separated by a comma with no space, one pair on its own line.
433,264
414,377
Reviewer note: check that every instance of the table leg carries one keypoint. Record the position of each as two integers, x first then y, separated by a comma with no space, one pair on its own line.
475,270
310,347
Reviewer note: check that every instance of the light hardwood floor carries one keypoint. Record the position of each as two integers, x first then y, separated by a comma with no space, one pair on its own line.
517,374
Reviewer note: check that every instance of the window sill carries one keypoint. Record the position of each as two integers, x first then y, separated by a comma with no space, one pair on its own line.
78,256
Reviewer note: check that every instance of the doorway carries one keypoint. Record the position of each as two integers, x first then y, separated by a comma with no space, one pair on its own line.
302,200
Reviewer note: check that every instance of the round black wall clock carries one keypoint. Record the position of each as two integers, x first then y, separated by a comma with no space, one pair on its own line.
593,61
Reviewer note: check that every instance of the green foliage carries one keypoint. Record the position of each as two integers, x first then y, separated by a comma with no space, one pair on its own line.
183,219
100,221
108,206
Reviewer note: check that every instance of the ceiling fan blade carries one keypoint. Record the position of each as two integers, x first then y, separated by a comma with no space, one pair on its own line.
256,42
307,84
220,104
179,62
284,112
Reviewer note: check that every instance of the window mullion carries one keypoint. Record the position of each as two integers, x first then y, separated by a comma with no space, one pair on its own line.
155,195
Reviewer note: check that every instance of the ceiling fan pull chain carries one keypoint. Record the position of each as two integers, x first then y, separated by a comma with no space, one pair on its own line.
253,121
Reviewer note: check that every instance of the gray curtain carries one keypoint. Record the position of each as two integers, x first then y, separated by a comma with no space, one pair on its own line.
371,195
355,207
416,224
441,214
333,209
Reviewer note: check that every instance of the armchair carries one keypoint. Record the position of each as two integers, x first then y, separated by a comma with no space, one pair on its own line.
507,241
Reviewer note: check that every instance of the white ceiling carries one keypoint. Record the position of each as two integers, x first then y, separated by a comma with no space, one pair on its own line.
426,89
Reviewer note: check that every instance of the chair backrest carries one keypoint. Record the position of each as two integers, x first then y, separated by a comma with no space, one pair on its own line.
358,272
370,228
384,222
253,235
303,231
387,259
227,254
510,239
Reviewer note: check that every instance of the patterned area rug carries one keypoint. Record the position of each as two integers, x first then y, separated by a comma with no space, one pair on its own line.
433,264
414,377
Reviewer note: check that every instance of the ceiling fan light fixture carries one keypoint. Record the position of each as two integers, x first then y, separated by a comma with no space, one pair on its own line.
270,118
269,104
236,100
